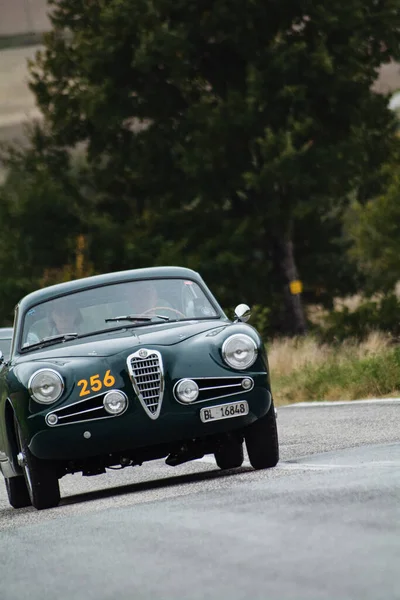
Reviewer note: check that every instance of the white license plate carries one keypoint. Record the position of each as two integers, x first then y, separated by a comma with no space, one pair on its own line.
224,411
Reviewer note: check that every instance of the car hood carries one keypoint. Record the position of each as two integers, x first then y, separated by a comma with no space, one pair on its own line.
113,342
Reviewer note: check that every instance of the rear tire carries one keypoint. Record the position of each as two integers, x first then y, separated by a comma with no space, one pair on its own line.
40,477
262,441
230,455
17,492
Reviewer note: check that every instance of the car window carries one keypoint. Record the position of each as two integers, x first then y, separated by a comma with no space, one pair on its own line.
86,311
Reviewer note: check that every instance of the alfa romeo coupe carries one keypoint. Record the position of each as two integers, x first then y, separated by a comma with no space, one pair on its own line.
127,367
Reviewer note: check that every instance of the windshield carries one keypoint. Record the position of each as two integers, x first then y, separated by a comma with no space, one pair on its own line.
89,311
5,346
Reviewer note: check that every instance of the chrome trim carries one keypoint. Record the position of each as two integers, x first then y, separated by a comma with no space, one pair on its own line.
144,354
221,387
84,421
196,379
80,412
41,371
241,335
79,402
60,417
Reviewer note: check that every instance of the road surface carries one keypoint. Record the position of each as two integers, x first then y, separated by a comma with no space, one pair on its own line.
324,524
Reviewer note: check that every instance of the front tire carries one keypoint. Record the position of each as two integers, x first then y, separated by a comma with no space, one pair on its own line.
17,492
230,455
262,441
40,477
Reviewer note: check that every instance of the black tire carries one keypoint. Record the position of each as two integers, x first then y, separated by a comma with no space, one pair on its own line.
230,455
18,495
40,477
262,441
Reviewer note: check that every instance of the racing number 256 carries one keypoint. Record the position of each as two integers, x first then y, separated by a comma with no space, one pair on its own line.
95,384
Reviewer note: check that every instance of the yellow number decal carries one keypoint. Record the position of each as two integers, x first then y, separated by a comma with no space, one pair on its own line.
84,391
95,383
108,380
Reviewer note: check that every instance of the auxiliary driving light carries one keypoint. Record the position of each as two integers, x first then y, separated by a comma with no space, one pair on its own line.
247,383
115,402
187,390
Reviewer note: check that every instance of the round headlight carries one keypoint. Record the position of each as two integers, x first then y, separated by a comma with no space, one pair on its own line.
239,351
187,390
115,402
46,386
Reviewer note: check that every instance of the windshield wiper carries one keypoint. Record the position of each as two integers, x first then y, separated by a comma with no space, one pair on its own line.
135,318
47,341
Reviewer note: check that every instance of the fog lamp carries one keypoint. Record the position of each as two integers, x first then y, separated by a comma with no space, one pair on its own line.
187,390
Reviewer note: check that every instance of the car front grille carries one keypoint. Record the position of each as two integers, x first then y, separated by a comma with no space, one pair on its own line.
147,375
212,388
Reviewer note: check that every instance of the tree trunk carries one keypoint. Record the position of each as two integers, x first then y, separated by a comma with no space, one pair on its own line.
294,321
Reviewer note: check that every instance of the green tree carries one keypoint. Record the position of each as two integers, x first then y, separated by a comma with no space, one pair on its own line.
374,228
258,110
39,216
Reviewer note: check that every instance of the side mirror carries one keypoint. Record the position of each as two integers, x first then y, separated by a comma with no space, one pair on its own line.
242,312
1,358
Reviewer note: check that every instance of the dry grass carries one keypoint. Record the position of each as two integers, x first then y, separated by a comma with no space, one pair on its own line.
304,369
287,355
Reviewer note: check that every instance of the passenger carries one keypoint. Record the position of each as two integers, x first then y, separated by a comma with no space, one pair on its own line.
64,318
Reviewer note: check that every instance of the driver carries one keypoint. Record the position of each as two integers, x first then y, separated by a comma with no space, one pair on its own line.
146,301
145,298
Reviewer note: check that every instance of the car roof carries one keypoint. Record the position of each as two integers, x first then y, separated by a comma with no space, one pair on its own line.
68,287
6,333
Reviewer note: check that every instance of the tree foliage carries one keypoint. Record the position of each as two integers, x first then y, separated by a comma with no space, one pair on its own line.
223,135
374,228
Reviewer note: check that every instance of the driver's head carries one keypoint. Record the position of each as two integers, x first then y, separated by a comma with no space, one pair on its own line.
145,296
65,316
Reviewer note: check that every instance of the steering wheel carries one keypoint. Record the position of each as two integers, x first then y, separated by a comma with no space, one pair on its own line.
156,308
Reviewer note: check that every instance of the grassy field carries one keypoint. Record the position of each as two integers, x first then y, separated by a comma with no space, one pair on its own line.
303,369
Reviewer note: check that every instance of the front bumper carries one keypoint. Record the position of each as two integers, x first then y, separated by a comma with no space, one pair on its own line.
135,430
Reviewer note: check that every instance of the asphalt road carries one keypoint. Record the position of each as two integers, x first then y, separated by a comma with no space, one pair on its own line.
324,524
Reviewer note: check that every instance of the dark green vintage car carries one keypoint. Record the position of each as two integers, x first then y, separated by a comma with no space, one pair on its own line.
127,367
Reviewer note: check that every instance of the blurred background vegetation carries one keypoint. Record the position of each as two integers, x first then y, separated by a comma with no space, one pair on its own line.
243,140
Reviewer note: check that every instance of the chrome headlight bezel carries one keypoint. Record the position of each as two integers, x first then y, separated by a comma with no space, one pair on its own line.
58,382
122,398
252,346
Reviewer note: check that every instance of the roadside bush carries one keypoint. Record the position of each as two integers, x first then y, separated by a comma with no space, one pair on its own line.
304,369
380,315
261,319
